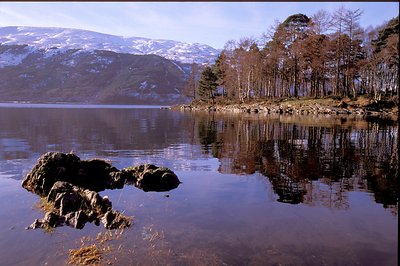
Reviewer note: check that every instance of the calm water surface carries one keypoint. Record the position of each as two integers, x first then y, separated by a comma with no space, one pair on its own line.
257,190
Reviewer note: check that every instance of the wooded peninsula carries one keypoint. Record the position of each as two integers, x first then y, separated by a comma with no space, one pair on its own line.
327,55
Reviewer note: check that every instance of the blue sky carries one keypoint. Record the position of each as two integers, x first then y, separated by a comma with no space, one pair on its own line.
212,23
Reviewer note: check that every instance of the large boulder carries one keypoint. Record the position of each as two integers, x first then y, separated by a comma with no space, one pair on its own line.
51,167
56,166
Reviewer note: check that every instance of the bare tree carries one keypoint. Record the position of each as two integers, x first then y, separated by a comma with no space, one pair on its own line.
329,53
321,22
190,89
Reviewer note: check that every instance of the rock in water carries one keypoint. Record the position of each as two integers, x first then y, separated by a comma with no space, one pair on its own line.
149,177
70,186
75,206
96,175
114,219
56,166
51,167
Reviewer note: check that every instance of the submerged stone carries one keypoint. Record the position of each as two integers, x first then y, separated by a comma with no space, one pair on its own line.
113,220
77,219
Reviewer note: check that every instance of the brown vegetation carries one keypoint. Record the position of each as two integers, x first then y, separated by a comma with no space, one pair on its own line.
93,251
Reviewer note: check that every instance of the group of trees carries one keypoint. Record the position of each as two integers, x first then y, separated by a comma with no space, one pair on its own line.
326,54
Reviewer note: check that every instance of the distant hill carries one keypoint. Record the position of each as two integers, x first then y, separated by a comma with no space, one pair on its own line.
45,38
58,64
28,73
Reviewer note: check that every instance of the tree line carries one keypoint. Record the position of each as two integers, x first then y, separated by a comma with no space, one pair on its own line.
325,54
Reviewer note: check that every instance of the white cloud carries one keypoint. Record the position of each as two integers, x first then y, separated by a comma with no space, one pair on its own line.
8,14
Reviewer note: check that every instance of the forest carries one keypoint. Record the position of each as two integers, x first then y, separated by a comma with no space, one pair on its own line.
325,55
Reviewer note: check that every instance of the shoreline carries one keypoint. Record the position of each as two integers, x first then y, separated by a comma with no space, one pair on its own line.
326,106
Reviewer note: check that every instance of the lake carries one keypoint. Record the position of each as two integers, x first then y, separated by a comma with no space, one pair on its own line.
256,189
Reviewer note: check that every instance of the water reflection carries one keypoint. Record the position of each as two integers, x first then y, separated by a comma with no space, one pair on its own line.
308,162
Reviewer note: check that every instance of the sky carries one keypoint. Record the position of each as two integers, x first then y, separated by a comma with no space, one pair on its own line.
212,23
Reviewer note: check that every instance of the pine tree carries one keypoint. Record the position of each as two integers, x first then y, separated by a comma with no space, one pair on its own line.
208,85
219,70
392,27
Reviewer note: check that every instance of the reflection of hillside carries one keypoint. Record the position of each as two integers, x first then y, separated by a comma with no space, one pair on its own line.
129,136
307,162
87,130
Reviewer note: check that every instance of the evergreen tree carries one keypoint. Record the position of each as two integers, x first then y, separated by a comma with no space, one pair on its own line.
391,28
208,84
219,70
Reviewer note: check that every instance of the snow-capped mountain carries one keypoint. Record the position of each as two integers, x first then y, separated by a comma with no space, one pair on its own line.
28,73
47,38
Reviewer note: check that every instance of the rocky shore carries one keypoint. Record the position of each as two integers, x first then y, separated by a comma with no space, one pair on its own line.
328,106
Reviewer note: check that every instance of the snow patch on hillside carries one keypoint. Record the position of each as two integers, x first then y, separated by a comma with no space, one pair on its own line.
47,38
13,57
53,51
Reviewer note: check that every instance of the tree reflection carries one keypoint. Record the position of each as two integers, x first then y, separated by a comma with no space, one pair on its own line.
208,134
312,160
311,163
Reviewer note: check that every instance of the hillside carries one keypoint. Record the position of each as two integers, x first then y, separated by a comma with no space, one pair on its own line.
33,74
46,37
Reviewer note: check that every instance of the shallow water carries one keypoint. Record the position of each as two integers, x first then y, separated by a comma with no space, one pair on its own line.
256,190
